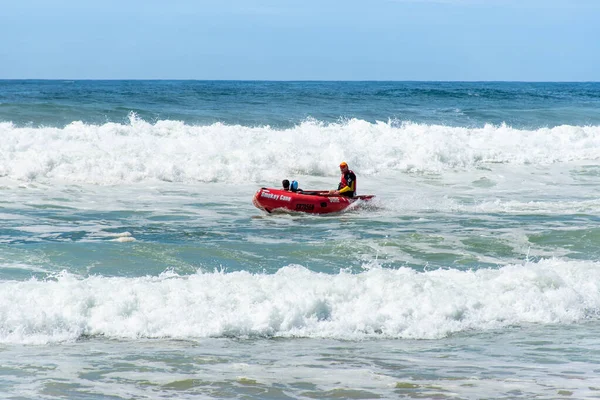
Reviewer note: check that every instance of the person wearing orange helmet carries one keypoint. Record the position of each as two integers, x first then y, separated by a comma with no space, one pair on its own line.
347,186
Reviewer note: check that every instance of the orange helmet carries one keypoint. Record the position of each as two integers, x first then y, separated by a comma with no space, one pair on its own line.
343,164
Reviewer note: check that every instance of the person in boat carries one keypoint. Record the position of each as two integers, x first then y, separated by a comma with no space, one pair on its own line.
294,187
347,186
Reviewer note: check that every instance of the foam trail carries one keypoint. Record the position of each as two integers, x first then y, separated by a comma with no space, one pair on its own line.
293,302
173,151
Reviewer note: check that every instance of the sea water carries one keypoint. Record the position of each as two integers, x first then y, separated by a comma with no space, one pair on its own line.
134,265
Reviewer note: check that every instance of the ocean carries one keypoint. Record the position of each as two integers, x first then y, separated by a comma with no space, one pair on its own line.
133,264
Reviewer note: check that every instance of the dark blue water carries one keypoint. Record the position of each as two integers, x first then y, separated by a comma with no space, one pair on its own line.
285,104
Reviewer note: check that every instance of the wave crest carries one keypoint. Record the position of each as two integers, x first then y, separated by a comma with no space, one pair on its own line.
174,151
295,302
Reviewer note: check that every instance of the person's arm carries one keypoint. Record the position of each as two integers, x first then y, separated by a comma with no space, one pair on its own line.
344,190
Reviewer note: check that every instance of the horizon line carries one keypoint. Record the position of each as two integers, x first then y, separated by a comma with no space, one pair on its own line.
295,80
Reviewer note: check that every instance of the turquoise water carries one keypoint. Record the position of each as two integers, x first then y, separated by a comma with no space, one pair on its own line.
134,265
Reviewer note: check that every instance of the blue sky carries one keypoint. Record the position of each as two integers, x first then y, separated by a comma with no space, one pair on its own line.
523,40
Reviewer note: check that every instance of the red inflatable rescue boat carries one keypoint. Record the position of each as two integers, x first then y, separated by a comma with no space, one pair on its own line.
314,202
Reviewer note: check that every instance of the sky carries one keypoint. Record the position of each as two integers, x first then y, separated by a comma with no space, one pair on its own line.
401,40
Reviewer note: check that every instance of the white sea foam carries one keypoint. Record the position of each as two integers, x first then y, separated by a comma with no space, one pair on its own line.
124,239
173,151
379,302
